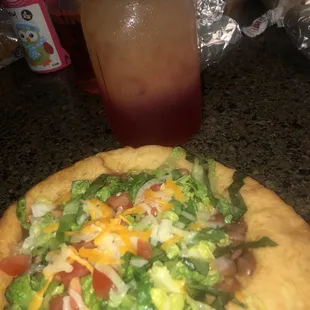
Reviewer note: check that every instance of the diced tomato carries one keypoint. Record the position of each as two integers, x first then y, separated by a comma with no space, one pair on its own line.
155,187
82,244
102,284
15,265
120,201
57,303
144,249
66,277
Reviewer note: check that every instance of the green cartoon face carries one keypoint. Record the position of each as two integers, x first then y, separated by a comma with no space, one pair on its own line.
28,37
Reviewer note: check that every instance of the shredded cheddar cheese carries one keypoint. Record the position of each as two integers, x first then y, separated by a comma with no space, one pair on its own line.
149,194
98,209
96,256
133,210
38,298
51,228
171,241
167,206
176,189
75,256
196,226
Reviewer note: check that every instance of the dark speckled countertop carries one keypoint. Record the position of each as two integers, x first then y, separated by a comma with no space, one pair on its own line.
256,117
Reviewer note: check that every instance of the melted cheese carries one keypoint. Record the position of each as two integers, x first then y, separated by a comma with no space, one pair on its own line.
176,189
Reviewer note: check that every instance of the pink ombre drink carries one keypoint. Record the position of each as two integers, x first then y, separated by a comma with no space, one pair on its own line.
37,35
145,58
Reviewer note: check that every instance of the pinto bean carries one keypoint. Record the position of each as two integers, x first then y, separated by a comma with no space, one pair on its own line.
121,200
246,264
229,285
225,266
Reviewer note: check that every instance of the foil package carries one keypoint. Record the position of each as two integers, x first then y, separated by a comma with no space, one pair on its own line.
297,25
293,15
10,49
217,33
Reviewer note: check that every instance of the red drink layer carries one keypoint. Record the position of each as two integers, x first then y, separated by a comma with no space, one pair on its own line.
145,57
166,120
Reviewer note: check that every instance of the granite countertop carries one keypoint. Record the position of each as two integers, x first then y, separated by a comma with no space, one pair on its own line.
256,118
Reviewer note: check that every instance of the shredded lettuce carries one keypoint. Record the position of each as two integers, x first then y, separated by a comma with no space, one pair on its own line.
214,235
164,301
88,294
231,211
37,281
73,206
115,184
176,174
162,279
158,255
170,215
128,302
202,250
170,164
127,271
103,194
143,291
95,186
235,196
198,265
185,270
177,206
79,188
173,251
19,294
39,242
212,176
260,243
135,182
53,290
21,213
197,305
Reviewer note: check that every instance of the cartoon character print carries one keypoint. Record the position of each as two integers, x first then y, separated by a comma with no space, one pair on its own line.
37,50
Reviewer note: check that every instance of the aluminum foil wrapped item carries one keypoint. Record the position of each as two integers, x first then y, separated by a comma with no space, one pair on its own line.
297,24
217,33
10,49
274,16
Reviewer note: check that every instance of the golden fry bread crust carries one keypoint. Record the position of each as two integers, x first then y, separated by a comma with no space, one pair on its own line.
281,279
